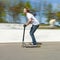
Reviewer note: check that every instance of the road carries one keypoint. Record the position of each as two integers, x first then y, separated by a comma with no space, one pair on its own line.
14,51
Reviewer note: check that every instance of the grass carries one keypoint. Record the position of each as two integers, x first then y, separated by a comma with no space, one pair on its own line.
46,26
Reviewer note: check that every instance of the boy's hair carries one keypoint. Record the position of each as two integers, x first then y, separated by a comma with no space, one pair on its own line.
28,10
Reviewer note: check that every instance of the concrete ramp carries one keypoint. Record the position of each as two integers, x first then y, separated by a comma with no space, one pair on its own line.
12,35
14,32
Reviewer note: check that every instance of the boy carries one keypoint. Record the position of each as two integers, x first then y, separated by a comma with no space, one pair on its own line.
35,24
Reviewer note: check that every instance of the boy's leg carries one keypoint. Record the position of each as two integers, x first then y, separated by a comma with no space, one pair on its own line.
32,31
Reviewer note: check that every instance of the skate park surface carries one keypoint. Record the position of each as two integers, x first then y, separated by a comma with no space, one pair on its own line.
14,51
14,33
11,38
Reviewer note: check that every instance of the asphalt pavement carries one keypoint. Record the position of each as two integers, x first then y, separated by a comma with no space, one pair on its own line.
14,51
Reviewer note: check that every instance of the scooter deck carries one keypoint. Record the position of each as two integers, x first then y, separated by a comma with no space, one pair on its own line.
31,46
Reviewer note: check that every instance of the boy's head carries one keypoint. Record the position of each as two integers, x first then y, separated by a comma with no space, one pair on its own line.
26,10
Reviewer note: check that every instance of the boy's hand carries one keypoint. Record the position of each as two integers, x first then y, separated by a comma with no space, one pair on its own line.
24,25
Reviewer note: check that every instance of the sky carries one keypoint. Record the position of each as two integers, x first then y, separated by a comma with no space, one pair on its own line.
51,1
54,2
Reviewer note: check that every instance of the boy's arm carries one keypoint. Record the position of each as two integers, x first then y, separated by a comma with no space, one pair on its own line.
29,21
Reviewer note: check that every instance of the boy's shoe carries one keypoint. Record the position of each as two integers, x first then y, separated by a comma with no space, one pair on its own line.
30,43
35,44
39,43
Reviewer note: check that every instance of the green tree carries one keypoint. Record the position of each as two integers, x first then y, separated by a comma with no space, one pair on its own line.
58,13
2,12
48,12
58,16
16,10
38,8
28,5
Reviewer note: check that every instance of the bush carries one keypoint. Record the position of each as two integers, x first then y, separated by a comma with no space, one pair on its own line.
3,21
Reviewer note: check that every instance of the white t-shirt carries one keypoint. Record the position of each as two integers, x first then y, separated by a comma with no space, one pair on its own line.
34,20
